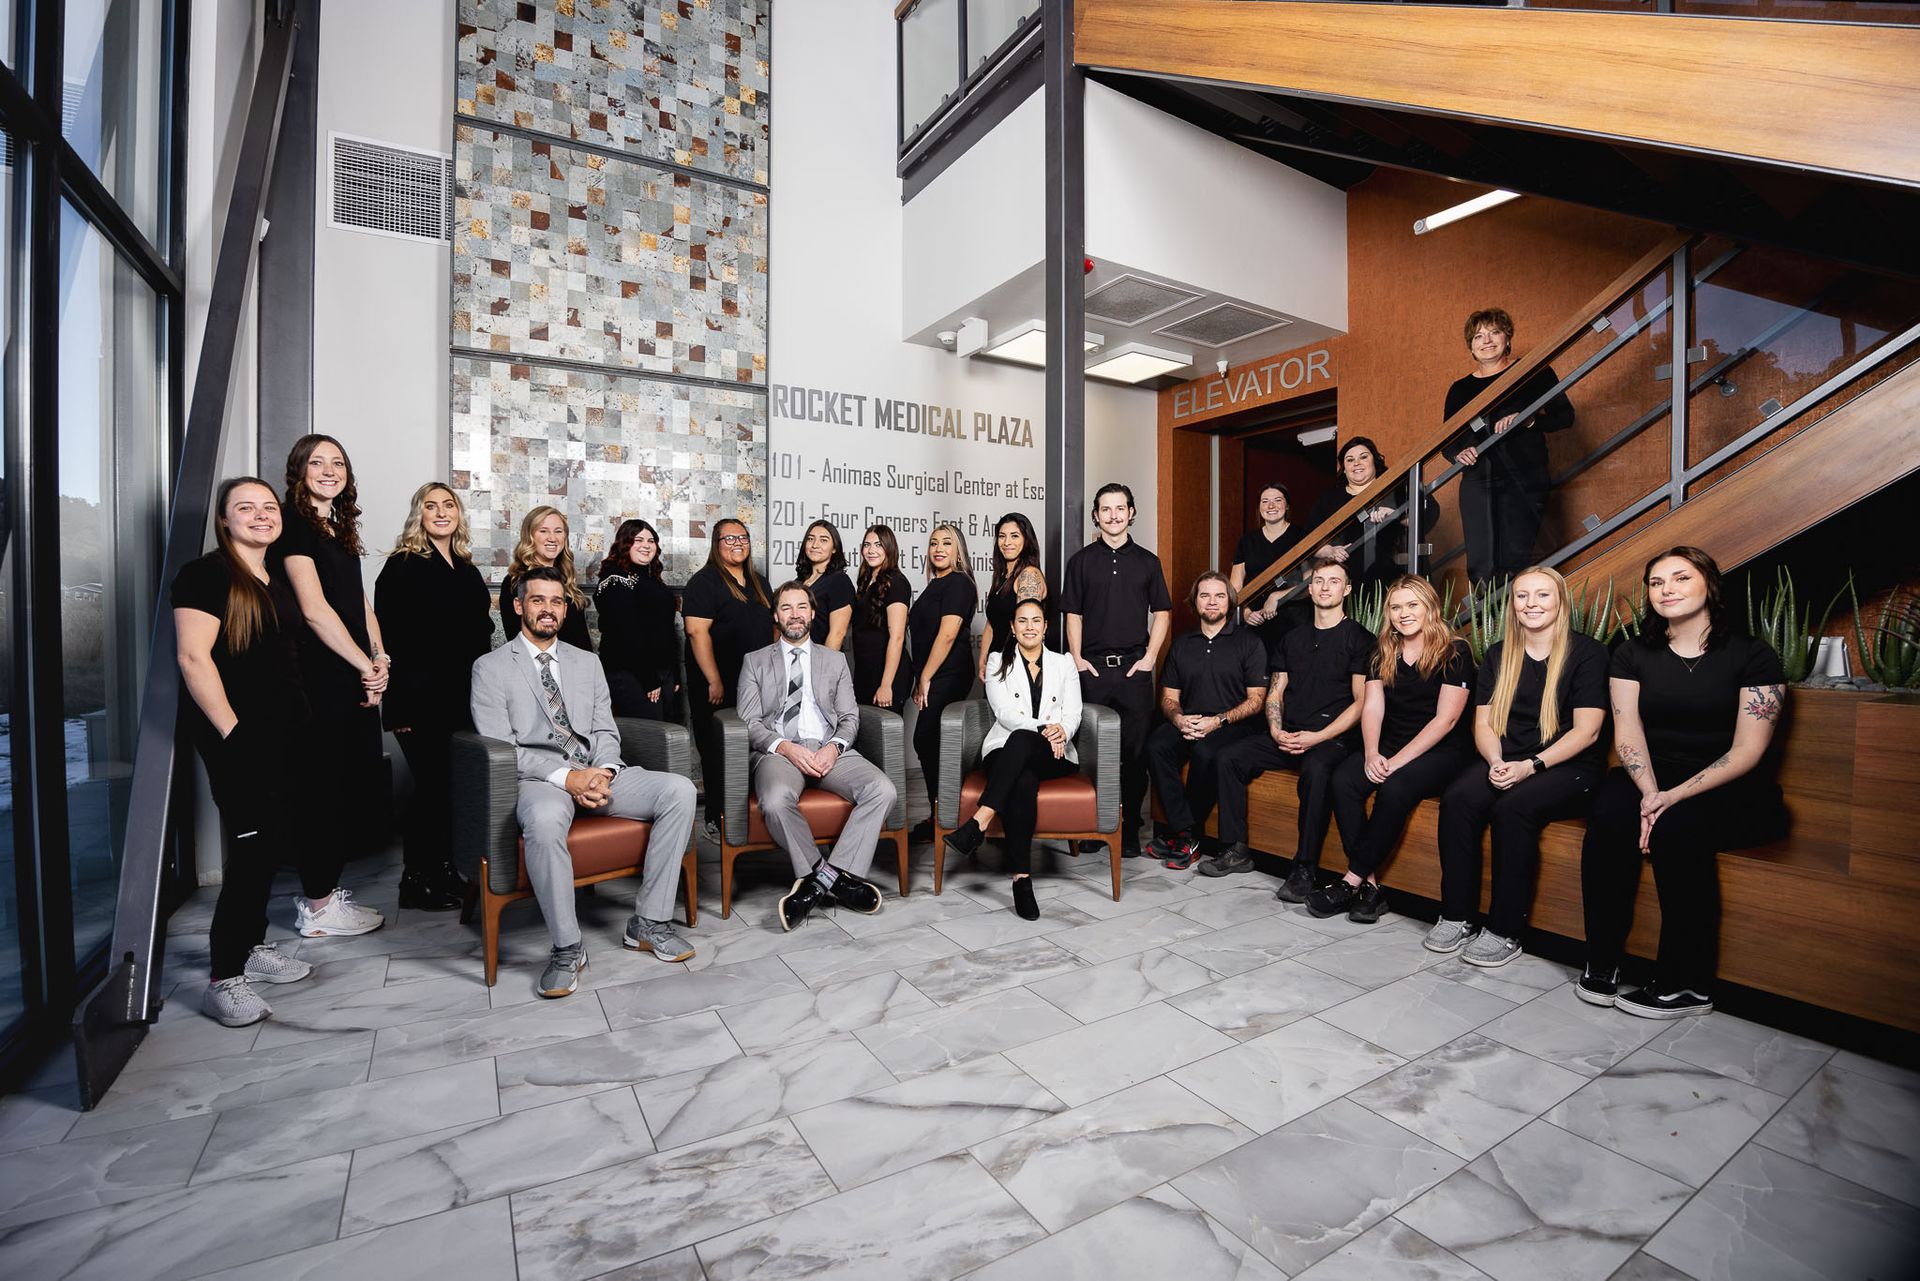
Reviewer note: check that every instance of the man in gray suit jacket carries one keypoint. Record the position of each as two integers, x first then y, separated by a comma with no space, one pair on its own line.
550,700
797,700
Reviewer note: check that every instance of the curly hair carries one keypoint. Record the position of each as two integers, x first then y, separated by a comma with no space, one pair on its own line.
413,540
343,526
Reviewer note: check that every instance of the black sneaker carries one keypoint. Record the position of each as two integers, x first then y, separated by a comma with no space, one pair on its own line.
1130,846
1226,862
1653,1002
797,902
1181,851
965,839
1369,901
421,892
1298,885
854,893
1598,984
1330,900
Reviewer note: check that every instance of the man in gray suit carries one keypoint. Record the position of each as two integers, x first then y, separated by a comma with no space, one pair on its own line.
550,700
797,701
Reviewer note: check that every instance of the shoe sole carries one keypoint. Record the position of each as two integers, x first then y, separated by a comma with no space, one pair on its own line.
1655,1012
639,946
1492,963
781,908
864,911
1443,948
331,931
1285,897
1319,915
1204,870
262,1017
278,978
1175,865
1594,998
956,850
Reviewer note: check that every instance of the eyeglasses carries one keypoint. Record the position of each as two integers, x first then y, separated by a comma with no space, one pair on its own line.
736,539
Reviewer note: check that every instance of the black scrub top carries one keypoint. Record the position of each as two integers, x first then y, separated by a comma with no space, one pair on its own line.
262,681
1689,714
1214,673
1320,663
833,591
1583,683
1413,699
435,619
740,626
950,594
333,686
868,641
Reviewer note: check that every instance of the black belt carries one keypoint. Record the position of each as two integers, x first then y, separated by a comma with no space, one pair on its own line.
1116,657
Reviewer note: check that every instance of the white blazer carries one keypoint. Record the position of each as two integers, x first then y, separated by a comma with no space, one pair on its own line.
1010,699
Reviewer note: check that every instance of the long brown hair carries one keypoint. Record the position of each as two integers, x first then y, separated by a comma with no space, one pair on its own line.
873,585
523,553
414,541
249,606
754,581
1513,652
1004,574
1436,638
344,527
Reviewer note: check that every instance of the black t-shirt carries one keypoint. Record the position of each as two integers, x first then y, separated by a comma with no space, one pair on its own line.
1320,664
1213,674
1114,589
262,681
636,626
1523,458
333,686
1255,553
952,593
1690,716
739,626
1412,699
573,628
1583,683
868,641
832,591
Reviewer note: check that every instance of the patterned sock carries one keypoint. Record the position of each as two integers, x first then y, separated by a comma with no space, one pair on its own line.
825,873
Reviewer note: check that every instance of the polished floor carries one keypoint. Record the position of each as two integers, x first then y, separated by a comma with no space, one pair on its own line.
1195,1082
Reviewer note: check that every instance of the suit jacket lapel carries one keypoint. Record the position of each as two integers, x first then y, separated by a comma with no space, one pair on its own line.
573,691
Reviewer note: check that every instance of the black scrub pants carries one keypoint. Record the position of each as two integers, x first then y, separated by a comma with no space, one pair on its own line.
1132,697
1015,771
1187,804
1501,521
1470,806
629,694
1370,839
428,835
944,688
1257,754
706,734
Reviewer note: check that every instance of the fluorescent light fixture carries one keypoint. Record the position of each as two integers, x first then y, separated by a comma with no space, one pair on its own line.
1319,436
1467,209
1027,344
1135,362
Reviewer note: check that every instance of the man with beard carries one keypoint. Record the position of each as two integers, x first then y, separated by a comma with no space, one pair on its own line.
550,700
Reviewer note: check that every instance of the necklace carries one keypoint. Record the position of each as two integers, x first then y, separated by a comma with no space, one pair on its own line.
1688,663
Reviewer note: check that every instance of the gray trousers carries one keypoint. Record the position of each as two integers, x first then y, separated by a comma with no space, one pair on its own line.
546,812
778,783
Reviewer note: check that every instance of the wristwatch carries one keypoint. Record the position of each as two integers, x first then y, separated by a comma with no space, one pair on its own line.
1539,766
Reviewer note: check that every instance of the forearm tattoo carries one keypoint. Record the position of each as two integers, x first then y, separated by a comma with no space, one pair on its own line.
1275,701
1764,702
1633,760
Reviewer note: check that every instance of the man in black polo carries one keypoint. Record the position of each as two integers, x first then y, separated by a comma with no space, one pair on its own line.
1210,692
1118,614
1313,718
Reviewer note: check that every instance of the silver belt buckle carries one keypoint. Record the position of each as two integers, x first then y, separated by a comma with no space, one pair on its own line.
1111,660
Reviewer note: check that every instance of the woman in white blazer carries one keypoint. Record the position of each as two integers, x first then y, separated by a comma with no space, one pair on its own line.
1035,696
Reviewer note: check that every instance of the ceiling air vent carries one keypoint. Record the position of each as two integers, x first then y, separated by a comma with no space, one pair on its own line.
1132,300
1222,325
389,190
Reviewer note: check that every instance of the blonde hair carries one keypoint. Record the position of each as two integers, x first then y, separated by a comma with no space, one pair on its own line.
961,562
413,540
1513,652
1436,638
523,553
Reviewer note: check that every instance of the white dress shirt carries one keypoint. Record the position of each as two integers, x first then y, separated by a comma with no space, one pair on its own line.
812,725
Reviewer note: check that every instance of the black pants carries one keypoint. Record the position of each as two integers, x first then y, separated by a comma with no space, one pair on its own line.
1471,805
706,734
943,689
1188,804
1257,754
1501,524
428,834
1370,840
629,694
1132,697
1683,848
1015,771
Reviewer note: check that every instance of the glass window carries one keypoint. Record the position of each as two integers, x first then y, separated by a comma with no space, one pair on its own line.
989,23
929,60
12,998
9,18
112,108
110,533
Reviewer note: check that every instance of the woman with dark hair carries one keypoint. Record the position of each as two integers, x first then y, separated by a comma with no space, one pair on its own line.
937,624
1035,696
1259,548
882,676
546,539
728,609
1016,577
823,568
637,642
1371,552
343,663
435,615
1695,704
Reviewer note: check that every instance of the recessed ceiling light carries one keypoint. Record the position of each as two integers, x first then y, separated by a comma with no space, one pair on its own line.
1136,362
1026,344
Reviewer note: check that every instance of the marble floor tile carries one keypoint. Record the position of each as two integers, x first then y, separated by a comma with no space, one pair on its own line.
1250,944
855,958
1468,1094
1547,1204
676,1265
590,1064
752,1089
473,1244
588,1225
1413,1015
1088,1158
1082,1064
1260,1001
143,1096
1094,992
949,1034
1845,1060
329,981
34,1117
1391,1251
1768,1217
991,889
1125,935
1561,1028
611,967
182,1034
1373,959
1239,903
369,1010
1519,980
968,975
65,1178
1644,1267
899,914
483,1032
443,936
1303,1191
885,1131
928,1223
427,1174
1778,1062
1682,1120
690,992
1270,1080
1158,1234
1137,894
808,1015
766,939
998,927
1859,1127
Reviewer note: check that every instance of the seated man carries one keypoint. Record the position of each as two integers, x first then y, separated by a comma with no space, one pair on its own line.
797,700
550,700
1313,717
1210,692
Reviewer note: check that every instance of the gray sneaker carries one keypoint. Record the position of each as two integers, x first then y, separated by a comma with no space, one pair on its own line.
265,964
1446,936
1226,862
657,937
562,974
234,1002
1489,950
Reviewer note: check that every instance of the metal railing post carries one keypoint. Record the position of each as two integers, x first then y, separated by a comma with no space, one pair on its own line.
1680,320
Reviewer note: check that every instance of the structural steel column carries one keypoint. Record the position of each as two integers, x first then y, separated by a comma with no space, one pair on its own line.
1066,404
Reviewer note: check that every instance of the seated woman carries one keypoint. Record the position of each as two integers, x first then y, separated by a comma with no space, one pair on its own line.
1695,704
1542,704
1036,712
1414,743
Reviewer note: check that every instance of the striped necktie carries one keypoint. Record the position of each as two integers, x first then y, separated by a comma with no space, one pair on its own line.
796,686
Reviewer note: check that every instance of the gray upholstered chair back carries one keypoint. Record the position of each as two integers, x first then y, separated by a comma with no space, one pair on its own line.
963,731
881,739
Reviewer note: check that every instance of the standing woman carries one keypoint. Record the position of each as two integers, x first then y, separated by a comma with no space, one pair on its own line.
1259,548
943,674
882,676
1373,559
1016,577
342,661
729,613
1542,704
435,616
637,642
823,567
238,626
546,539
1694,709
1413,738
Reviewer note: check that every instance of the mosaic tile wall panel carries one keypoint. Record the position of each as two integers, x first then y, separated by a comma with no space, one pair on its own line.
679,80
565,253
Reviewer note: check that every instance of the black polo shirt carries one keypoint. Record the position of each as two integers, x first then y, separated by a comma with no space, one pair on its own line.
1213,674
1114,589
1320,664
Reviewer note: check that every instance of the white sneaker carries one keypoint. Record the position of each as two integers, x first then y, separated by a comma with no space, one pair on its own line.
234,1002
340,916
265,964
1446,936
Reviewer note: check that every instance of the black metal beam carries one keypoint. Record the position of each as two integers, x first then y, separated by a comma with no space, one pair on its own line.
284,299
1066,393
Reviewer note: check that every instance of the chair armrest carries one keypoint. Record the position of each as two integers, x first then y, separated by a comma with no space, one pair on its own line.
485,777
1098,745
883,740
963,728
735,771
665,747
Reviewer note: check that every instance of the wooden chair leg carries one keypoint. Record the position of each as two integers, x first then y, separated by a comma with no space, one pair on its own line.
689,867
491,906
727,855
900,848
939,858
1113,852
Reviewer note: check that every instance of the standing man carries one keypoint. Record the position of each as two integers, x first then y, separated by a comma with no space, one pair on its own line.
1313,717
1118,615
1210,692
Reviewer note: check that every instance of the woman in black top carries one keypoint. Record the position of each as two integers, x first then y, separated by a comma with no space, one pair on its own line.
637,641
1259,548
1541,697
342,660
1503,495
1695,705
1381,557
546,539
728,609
1016,577
823,567
435,616
1413,744
943,673
238,628
882,674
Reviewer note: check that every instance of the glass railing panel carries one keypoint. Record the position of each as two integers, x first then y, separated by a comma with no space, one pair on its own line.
929,62
990,24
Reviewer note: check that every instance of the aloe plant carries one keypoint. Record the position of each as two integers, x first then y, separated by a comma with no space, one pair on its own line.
1779,621
1596,618
1368,606
1486,617
1890,649
1633,613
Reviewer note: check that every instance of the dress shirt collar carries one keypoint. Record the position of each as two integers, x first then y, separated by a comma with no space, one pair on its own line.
553,646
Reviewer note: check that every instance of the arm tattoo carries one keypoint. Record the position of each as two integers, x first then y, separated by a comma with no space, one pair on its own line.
1029,583
1634,762
1763,702
1275,701
1722,763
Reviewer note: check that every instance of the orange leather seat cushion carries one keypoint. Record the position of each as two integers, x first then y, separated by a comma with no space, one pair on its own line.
825,813
1066,804
598,845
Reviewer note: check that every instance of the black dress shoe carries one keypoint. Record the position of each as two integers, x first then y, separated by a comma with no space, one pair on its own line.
1093,847
854,893
965,839
422,892
1023,901
451,880
797,902
921,833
